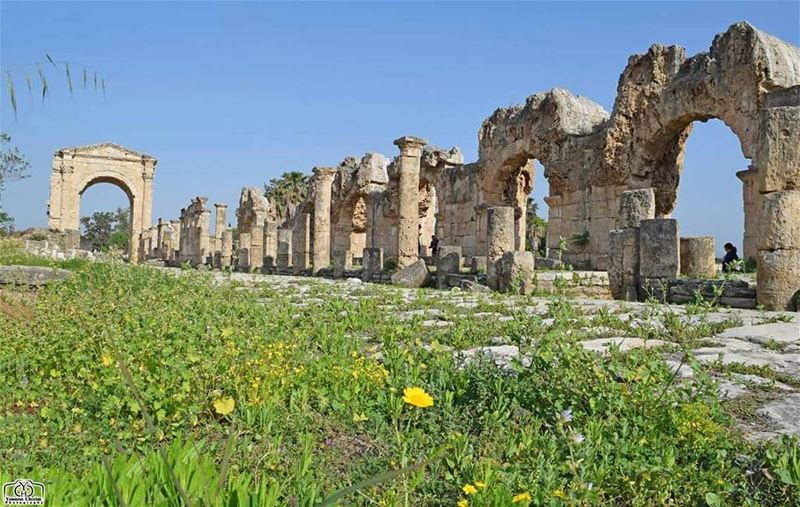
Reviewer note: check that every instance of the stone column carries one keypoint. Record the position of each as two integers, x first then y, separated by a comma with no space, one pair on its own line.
204,248
500,239
752,207
408,224
176,239
284,254
778,162
323,181
520,226
271,240
244,251
226,248
301,232
659,257
220,210
697,257
623,242
256,247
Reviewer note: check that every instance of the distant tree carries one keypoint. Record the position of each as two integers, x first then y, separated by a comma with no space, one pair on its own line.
536,228
107,229
13,166
286,192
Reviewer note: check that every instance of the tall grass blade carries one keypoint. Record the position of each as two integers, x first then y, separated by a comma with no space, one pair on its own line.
69,78
12,96
85,78
43,80
51,60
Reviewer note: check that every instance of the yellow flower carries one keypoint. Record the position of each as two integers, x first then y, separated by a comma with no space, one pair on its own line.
521,497
462,503
559,493
479,485
106,360
417,396
469,489
224,406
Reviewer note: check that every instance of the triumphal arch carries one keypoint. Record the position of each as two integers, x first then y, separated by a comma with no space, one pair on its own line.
78,168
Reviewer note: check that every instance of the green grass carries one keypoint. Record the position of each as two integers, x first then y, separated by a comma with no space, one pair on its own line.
316,411
11,253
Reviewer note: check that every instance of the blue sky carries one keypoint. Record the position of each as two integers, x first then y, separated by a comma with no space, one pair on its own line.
232,94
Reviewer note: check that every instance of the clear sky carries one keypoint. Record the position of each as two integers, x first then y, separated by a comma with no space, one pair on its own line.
231,94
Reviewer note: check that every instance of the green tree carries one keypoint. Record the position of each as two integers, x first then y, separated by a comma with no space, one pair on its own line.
286,192
107,229
13,166
536,226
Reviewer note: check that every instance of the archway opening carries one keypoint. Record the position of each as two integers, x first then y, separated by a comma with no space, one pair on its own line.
538,213
711,199
105,217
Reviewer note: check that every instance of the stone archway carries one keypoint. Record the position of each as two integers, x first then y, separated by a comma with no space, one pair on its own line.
78,168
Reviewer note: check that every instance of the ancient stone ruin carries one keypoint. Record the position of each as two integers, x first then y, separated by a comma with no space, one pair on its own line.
613,182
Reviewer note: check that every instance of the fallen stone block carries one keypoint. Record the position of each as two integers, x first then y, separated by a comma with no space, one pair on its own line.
32,276
412,276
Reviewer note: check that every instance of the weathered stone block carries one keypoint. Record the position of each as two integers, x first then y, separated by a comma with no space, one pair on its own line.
615,253
413,276
448,259
779,227
515,272
635,206
472,286
31,275
778,156
372,262
478,264
342,261
778,278
697,257
659,256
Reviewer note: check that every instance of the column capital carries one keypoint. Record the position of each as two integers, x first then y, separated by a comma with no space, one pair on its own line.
324,171
409,145
749,173
220,205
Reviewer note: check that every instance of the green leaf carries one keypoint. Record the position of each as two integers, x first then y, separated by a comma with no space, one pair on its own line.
85,78
51,60
28,81
103,83
713,499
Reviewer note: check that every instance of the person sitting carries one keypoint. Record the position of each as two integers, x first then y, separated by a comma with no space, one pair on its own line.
434,245
730,257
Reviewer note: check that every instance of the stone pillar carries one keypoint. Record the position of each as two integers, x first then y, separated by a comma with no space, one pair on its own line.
204,247
500,239
323,181
342,261
284,251
408,224
520,226
271,240
448,262
226,248
659,256
778,162
244,251
301,236
697,257
176,239
623,243
372,262
752,207
256,247
219,226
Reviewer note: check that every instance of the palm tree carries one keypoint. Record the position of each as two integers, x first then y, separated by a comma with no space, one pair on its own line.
286,192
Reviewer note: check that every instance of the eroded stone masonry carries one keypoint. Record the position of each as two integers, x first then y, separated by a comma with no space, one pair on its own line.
613,182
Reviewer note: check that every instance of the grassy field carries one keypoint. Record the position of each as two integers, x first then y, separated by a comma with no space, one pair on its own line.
131,386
